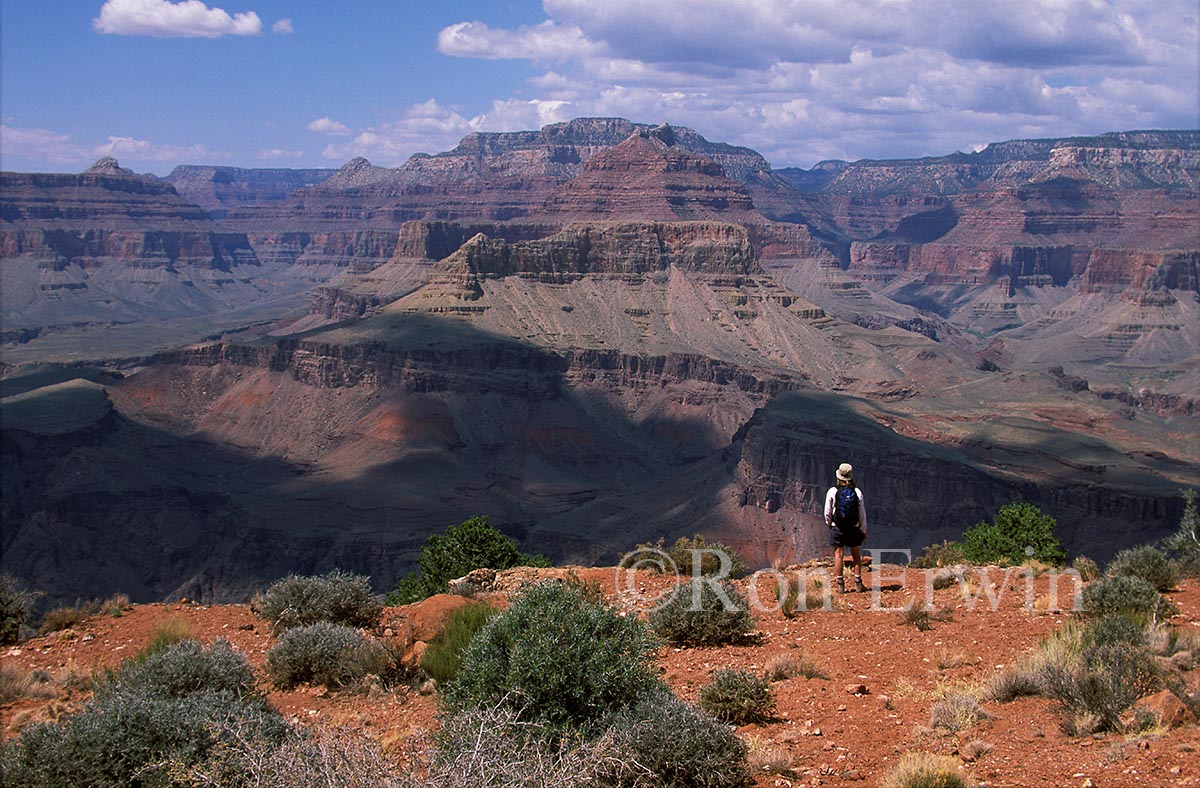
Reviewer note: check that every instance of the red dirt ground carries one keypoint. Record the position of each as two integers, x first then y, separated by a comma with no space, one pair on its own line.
831,736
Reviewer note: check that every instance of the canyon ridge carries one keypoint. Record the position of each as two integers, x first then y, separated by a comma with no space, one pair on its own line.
599,333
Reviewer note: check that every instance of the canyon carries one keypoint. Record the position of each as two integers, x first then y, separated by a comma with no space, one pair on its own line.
599,333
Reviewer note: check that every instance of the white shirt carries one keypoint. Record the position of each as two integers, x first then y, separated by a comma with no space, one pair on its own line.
862,508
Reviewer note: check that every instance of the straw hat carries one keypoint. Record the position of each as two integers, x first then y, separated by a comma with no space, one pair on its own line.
845,472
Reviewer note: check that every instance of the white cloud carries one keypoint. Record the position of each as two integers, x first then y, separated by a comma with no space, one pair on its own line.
428,127
328,125
277,153
164,19
40,144
545,42
144,150
802,80
283,27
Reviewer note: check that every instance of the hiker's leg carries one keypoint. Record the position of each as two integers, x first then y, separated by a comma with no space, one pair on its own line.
839,563
856,559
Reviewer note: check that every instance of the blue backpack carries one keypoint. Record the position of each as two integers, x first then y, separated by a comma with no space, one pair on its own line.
845,507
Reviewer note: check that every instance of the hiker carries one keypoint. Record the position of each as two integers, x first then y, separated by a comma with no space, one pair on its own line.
846,516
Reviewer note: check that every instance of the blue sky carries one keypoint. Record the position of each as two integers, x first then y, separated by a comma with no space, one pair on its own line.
270,83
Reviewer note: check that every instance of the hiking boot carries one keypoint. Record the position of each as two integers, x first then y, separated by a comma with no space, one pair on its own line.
858,584
841,585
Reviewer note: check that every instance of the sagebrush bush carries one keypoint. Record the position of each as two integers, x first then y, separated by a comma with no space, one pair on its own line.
473,544
681,745
702,612
739,697
691,553
1015,527
922,770
943,554
16,607
556,658
443,658
328,654
1124,595
336,597
130,739
1147,562
148,721
183,669
1097,672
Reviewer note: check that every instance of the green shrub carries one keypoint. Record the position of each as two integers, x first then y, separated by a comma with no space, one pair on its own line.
336,597
471,545
739,697
702,612
1124,595
1088,569
183,669
922,770
713,557
681,745
1147,562
936,556
556,658
443,658
1004,540
328,654
16,607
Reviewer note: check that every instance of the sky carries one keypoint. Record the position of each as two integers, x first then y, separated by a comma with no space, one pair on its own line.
314,83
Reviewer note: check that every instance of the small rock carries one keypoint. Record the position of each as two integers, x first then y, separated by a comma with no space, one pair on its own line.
389,633
1087,783
842,707
852,775
857,689
87,637
428,687
246,628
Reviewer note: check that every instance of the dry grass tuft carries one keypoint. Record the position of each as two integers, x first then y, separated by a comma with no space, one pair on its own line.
923,770
956,711
788,665
16,684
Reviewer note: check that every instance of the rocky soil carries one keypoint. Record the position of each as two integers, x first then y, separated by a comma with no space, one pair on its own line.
849,726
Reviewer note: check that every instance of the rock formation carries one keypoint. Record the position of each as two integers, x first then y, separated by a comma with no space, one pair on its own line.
602,333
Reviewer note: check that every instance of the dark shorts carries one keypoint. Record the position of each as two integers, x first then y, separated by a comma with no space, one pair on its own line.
845,537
